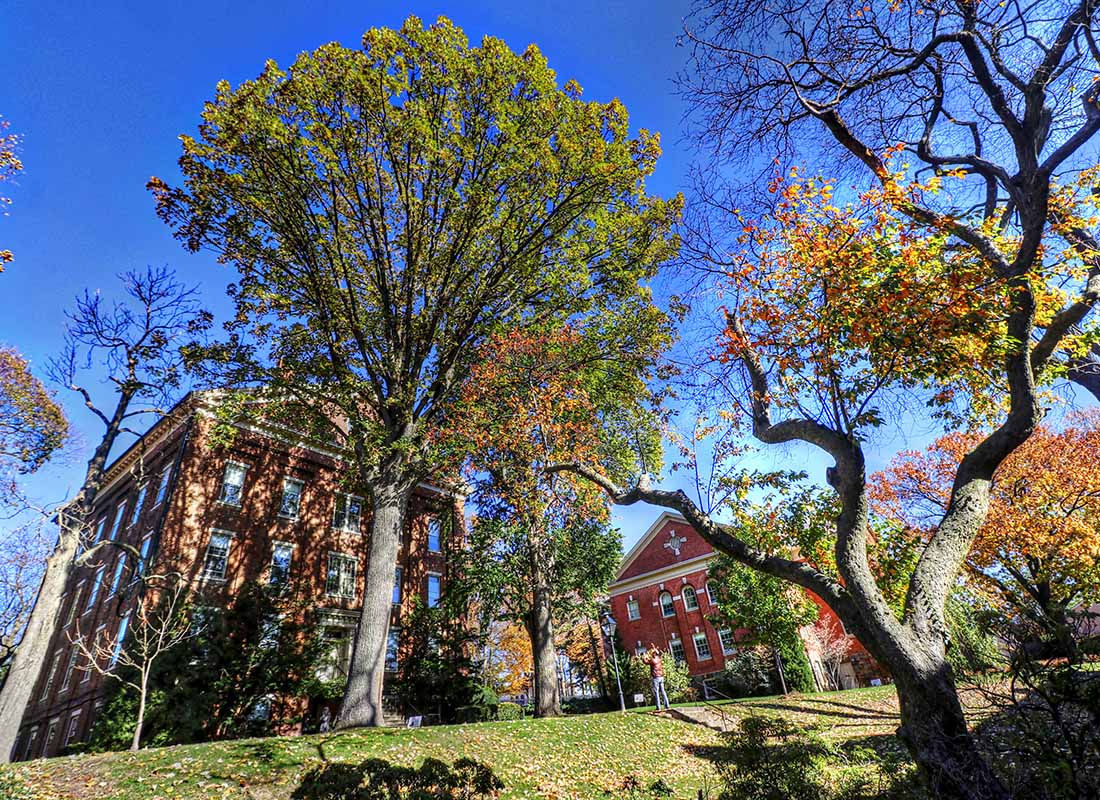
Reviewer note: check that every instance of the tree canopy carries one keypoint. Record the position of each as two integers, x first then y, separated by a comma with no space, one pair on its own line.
32,424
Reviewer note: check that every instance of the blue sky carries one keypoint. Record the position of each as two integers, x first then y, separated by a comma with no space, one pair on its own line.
101,91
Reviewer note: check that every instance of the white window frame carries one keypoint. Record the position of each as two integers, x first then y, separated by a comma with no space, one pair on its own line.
120,566
240,489
51,675
435,522
74,720
673,644
162,485
671,604
711,598
301,484
139,501
695,639
93,595
120,519
684,594
51,731
633,610
346,558
289,566
722,641
343,526
206,574
99,531
428,589
120,639
144,552
77,592
70,667
30,743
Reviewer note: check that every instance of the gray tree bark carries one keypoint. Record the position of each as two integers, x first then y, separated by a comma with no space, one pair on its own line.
362,705
540,627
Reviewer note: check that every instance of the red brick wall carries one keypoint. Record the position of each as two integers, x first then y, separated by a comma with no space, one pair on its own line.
655,555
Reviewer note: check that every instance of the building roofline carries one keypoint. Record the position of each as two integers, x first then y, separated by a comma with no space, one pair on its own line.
665,517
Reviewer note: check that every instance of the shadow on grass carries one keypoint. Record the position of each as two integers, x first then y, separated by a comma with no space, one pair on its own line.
377,779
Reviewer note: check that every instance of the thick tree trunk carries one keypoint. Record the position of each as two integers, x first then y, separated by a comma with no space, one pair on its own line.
541,629
31,654
362,704
934,729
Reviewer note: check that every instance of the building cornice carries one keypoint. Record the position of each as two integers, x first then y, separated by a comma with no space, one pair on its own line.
668,573
647,537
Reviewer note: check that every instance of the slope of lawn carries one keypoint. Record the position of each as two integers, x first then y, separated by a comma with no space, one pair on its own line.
571,757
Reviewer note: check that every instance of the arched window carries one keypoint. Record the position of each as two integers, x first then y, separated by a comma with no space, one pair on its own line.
667,609
691,602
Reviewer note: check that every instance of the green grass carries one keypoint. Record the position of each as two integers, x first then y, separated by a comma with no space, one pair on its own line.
571,757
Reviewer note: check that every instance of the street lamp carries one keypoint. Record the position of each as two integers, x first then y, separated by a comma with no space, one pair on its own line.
609,630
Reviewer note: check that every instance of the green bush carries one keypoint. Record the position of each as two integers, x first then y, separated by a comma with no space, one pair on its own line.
509,711
747,673
796,665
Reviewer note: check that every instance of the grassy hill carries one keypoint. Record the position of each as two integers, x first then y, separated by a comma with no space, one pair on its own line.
571,757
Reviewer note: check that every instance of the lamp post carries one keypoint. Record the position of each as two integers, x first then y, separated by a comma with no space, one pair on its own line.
609,630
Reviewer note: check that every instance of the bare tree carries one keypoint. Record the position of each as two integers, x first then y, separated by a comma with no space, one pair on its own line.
832,645
136,344
160,624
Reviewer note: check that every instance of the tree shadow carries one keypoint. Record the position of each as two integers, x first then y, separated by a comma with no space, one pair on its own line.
864,714
377,779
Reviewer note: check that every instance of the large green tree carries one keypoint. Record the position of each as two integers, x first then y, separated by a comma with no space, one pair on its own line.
32,425
387,209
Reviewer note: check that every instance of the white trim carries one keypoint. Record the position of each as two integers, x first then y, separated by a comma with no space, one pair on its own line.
646,578
647,537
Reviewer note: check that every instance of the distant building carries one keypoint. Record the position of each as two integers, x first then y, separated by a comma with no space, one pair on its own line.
275,505
661,597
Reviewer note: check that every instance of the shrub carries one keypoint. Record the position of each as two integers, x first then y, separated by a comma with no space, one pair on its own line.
510,711
747,673
796,665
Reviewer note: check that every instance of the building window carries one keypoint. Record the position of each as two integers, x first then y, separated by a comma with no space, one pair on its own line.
338,655
397,586
676,647
51,675
691,601
292,498
162,486
120,521
433,589
435,528
146,545
349,509
136,512
729,646
99,531
120,640
281,556
74,604
667,607
68,679
233,484
119,567
702,646
393,639
30,743
633,610
94,593
51,736
217,556
341,575
712,593
74,725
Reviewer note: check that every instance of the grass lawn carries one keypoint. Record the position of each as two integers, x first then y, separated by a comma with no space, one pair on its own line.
570,757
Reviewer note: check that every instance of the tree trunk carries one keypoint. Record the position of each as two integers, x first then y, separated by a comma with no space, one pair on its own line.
934,729
135,745
601,673
33,649
541,629
362,704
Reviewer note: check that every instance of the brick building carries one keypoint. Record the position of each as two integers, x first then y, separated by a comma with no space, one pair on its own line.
661,597
271,506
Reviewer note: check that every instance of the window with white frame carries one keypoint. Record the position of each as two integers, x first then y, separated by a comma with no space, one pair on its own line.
138,503
434,584
676,647
31,739
335,663
232,489
349,510
67,681
215,563
393,640
120,640
120,565
712,593
729,644
397,586
282,555
99,531
702,646
94,593
668,609
74,726
146,546
51,736
633,610
691,601
340,581
51,675
74,604
120,520
435,531
162,485
292,498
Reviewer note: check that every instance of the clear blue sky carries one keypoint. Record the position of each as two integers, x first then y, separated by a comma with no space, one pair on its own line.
101,91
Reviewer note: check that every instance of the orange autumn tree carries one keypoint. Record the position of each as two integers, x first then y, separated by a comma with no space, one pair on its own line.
508,663
541,549
1039,548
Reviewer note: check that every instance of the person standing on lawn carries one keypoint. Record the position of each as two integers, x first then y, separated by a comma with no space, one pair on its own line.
656,665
